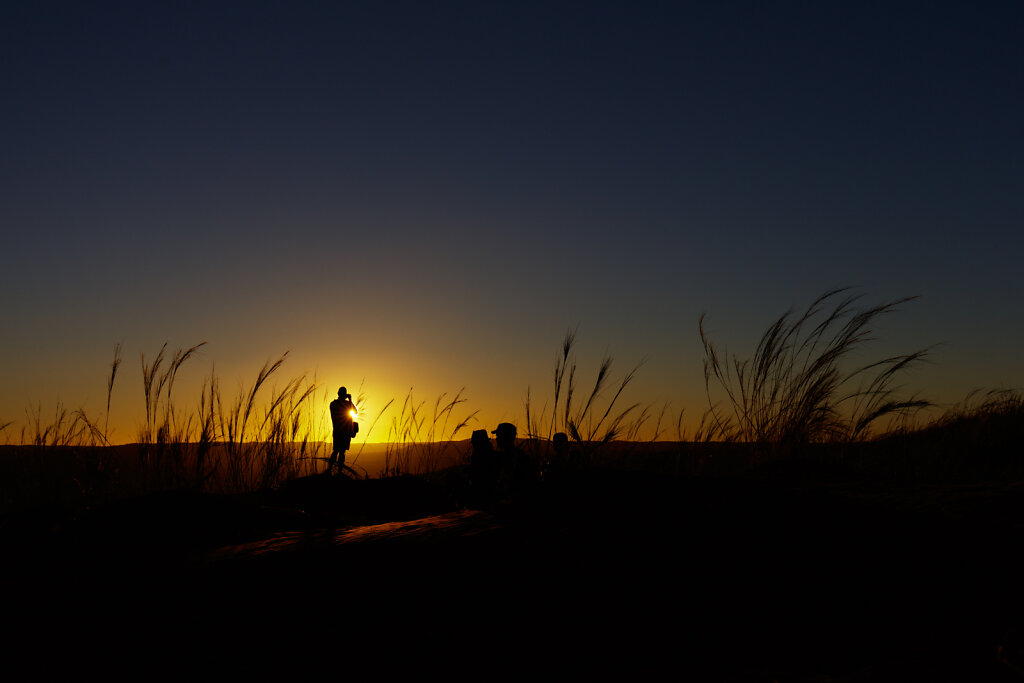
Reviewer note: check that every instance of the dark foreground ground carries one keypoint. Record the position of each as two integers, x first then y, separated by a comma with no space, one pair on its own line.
789,575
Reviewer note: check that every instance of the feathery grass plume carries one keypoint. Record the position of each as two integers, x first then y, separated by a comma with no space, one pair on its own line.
564,362
205,466
110,390
151,396
280,430
977,439
602,376
585,427
588,425
51,462
90,428
313,450
164,440
180,356
373,424
310,447
532,426
985,404
643,419
617,422
403,427
439,440
66,428
990,420
796,389
234,421
709,429
397,453
561,364
418,446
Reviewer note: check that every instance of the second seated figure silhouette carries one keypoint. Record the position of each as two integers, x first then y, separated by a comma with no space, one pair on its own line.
483,469
515,472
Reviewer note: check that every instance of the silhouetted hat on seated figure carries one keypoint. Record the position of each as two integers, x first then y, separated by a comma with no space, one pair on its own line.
505,429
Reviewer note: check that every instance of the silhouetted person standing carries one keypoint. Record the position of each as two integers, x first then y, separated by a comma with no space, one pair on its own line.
343,414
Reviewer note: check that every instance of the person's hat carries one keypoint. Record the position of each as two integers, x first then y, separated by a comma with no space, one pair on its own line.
505,428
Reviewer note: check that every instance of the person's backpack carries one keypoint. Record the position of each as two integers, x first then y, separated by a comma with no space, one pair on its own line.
355,427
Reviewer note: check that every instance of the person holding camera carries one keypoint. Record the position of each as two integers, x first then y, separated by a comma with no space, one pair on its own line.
343,418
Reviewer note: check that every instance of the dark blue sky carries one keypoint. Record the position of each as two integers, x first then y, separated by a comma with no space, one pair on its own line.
428,194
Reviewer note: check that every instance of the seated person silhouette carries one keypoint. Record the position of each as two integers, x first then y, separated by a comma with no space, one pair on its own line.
483,468
343,413
515,472
562,460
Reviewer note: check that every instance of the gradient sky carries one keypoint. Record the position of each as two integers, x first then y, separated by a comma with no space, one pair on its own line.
428,195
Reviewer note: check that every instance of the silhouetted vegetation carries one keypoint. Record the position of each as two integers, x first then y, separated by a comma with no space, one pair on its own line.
977,440
801,396
797,387
418,442
598,420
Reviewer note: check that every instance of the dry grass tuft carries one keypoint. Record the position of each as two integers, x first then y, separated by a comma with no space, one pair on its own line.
595,421
417,445
796,389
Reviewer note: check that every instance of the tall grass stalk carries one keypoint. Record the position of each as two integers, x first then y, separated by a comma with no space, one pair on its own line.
373,425
419,446
797,387
253,441
110,391
68,428
597,420
164,440
258,451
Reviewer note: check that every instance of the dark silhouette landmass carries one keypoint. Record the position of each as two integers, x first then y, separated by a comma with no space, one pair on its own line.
718,561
